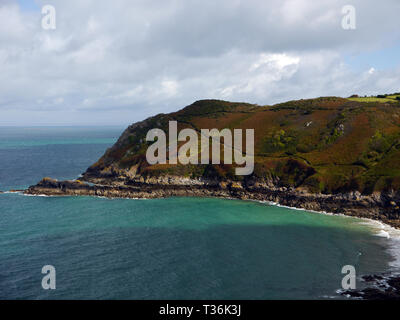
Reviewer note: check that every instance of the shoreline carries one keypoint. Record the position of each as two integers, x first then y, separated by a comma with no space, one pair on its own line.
375,224
384,230
377,207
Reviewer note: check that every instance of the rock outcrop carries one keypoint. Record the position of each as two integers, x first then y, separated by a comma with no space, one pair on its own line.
377,206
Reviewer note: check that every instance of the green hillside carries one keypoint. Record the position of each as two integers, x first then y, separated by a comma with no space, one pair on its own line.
328,145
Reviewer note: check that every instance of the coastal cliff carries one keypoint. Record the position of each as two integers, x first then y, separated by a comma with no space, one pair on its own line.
326,154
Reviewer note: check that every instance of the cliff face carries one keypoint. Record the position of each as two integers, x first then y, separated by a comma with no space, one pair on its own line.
330,154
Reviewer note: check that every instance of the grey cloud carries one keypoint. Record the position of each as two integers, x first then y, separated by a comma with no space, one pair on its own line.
120,61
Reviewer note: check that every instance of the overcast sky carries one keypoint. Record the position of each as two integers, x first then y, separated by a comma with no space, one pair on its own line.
117,62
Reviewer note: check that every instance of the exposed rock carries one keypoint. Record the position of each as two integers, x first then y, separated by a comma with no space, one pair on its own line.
353,204
380,288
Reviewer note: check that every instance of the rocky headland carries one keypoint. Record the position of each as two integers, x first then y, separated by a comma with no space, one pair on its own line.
327,154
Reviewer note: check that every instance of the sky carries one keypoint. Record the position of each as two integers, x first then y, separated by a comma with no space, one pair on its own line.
118,62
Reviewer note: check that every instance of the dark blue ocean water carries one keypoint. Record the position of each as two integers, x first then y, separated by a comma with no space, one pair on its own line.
177,248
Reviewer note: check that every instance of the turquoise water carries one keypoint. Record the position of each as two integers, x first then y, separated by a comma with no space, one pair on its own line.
177,248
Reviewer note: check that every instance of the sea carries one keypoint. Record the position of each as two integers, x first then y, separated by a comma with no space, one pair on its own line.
174,248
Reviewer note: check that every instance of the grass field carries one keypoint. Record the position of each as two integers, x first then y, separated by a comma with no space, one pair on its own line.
389,98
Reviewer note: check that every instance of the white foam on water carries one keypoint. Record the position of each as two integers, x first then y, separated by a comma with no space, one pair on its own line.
381,230
114,198
302,209
392,235
34,195
383,234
